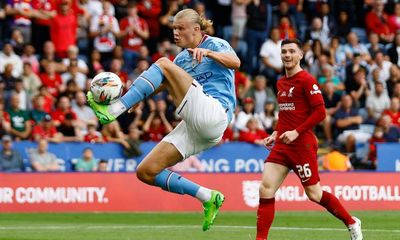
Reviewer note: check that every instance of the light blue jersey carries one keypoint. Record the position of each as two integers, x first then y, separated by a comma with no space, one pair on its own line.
217,80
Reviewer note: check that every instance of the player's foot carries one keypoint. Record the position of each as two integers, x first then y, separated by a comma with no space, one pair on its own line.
355,230
211,208
100,110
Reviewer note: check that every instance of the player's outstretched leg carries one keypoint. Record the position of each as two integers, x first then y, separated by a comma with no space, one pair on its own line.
143,86
355,230
212,200
332,204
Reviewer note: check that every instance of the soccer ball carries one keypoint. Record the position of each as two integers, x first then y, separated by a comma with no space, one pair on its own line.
106,88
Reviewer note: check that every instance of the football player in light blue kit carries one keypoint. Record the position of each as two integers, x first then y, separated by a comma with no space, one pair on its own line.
201,82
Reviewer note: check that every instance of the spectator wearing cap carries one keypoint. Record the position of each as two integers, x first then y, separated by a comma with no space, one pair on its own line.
46,130
245,114
260,92
10,159
42,160
20,122
7,56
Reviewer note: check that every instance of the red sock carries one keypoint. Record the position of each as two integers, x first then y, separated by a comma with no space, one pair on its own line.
332,204
265,216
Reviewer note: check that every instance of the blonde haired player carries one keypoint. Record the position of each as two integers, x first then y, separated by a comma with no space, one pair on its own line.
201,83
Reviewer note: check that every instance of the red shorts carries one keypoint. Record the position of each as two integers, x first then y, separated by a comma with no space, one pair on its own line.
303,162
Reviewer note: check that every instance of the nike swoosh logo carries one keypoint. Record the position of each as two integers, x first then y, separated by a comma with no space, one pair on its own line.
305,180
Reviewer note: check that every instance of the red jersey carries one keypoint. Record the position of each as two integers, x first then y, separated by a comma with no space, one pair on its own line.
297,98
395,116
44,133
131,41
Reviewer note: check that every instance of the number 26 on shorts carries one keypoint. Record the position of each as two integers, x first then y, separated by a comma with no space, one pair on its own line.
304,170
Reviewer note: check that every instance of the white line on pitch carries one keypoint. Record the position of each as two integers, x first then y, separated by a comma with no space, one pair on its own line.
64,227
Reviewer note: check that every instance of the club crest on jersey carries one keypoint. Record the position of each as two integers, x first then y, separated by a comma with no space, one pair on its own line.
315,90
291,92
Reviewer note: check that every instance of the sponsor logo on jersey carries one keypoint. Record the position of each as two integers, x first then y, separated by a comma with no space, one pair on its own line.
287,107
315,90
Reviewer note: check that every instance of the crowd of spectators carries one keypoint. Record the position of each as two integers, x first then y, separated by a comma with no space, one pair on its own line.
52,48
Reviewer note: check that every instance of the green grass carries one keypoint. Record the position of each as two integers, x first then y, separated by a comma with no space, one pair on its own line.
181,226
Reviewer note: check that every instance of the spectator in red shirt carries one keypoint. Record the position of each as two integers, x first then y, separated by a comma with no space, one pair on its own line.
51,79
4,120
92,135
46,9
394,111
164,50
63,29
46,130
116,67
377,21
48,99
63,108
253,134
242,85
156,125
134,31
150,11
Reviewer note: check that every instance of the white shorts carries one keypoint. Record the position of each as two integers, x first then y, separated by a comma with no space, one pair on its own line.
359,135
204,122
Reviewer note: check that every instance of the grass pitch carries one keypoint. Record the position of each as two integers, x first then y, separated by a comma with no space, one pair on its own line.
182,226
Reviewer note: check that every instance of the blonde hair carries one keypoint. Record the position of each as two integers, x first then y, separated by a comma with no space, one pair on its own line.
194,17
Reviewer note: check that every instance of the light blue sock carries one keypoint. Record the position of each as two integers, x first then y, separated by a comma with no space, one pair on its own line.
143,86
173,182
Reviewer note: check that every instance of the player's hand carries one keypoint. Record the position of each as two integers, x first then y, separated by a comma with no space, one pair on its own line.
269,141
289,136
199,53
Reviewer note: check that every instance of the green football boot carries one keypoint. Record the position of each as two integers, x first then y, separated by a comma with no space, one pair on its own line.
100,110
211,208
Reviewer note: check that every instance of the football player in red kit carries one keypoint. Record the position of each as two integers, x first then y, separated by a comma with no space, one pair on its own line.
301,107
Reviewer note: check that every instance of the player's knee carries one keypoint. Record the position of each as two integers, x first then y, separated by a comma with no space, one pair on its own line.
163,62
144,174
314,196
266,191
